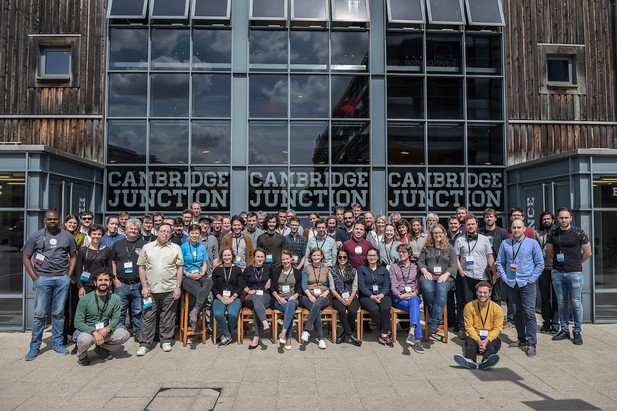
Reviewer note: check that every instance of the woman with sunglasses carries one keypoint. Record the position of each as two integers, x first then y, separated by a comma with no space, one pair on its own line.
257,289
374,285
286,288
438,265
316,291
387,248
343,281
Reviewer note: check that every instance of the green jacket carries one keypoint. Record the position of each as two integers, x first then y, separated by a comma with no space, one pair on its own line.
88,315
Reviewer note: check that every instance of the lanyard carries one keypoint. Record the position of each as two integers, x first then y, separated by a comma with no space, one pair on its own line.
389,250
406,277
322,243
193,253
485,315
226,277
287,274
93,258
237,245
469,247
520,244
372,272
101,311
317,276
132,250
258,278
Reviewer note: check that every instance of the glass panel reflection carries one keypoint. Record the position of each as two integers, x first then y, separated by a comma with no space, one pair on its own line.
483,54
405,97
128,49
127,8
267,96
309,142
170,49
268,9
443,54
350,96
169,95
169,141
605,190
445,11
484,99
350,143
168,194
484,12
406,11
405,143
309,96
11,311
268,142
127,189
404,51
126,141
309,9
485,144
605,254
268,188
349,10
309,50
605,304
445,143
210,142
211,95
127,95
268,50
211,8
349,50
444,97
211,49
169,9
12,187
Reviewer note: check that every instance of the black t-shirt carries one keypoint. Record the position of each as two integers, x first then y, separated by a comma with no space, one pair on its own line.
124,251
569,243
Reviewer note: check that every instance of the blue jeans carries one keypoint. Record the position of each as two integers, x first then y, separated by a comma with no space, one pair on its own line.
435,297
289,308
49,297
412,306
233,311
130,294
569,286
523,300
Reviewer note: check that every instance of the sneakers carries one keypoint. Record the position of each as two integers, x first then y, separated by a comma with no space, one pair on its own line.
465,362
561,335
411,340
577,339
386,340
103,353
83,361
166,347
519,343
531,351
61,349
417,347
142,350
305,336
432,332
321,344
32,354
546,328
462,335
490,362
225,341
355,341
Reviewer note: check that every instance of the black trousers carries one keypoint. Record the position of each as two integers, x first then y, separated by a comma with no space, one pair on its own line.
471,349
347,314
380,313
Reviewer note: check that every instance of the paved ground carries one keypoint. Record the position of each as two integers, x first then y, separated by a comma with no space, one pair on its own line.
562,376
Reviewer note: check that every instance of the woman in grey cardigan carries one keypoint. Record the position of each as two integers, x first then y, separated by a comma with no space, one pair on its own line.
437,264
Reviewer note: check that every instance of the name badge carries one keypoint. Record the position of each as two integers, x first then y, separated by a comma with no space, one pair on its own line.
128,268
237,262
512,272
147,303
561,258
437,270
407,289
345,295
268,258
294,259
358,250
260,292
469,260
388,267
99,326
317,291
39,258
226,293
483,334
286,288
84,276
195,253
375,288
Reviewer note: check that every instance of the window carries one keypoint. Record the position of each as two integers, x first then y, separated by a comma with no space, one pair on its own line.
350,11
561,69
406,11
127,9
55,60
309,10
165,9
211,9
445,12
269,10
55,63
484,12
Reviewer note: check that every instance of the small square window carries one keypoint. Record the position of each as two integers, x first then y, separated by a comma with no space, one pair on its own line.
55,63
561,70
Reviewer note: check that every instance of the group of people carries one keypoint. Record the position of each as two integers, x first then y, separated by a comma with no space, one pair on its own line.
91,277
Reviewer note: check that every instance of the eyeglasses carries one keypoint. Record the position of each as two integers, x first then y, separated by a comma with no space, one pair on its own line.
342,257
86,218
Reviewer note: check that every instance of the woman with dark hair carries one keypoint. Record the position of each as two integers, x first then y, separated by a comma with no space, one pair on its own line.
286,288
315,298
374,285
417,238
71,225
343,279
257,289
228,284
438,265
403,228
92,260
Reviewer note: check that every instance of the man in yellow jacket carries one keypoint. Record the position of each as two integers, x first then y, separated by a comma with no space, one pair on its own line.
483,323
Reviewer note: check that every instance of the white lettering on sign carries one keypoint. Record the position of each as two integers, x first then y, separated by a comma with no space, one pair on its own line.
530,212
614,191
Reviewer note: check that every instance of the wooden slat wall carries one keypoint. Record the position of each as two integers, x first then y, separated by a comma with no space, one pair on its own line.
18,19
529,22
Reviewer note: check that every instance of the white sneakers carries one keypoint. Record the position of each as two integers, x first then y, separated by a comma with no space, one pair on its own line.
305,336
321,344
166,347
141,351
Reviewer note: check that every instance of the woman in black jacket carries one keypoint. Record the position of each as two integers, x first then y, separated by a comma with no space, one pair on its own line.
344,286
228,284
286,287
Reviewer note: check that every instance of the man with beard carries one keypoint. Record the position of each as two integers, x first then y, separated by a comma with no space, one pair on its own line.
215,228
282,227
357,247
369,222
208,240
331,225
187,220
251,228
98,319
296,243
86,218
146,233
179,237
272,242
495,236
548,299
324,242
345,232
158,220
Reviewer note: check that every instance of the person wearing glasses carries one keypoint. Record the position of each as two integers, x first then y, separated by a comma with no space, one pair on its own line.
343,279
85,221
437,263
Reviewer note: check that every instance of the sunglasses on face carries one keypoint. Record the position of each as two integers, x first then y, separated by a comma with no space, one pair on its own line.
342,257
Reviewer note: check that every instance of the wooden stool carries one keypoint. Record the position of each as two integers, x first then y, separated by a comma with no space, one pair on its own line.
185,330
278,316
246,317
443,328
395,320
328,315
363,316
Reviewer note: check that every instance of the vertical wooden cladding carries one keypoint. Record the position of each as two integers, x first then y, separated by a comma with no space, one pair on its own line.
18,20
583,22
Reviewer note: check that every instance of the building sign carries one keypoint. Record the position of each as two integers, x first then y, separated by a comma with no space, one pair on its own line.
167,189
307,190
415,190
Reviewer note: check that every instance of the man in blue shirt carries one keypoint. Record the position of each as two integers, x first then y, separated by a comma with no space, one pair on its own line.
519,264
